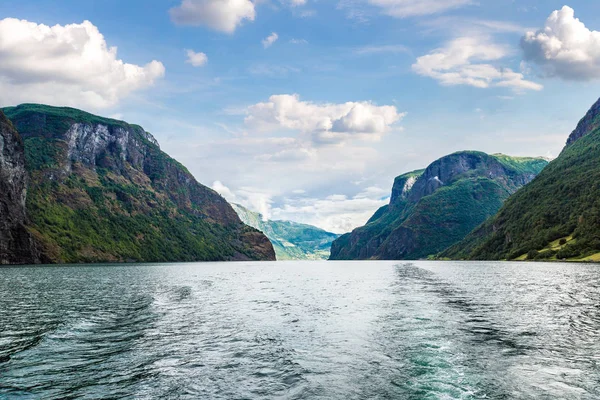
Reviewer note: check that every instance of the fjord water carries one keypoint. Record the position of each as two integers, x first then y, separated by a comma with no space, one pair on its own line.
301,330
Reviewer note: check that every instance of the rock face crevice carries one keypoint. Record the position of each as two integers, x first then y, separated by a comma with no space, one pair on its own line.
17,245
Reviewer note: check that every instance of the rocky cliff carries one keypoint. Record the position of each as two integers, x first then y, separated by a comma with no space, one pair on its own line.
16,243
102,190
434,208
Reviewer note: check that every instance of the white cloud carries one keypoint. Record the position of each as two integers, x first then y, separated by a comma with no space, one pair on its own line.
564,47
326,123
292,154
224,191
411,8
251,198
220,15
335,213
298,41
196,59
269,40
66,65
400,8
294,3
467,61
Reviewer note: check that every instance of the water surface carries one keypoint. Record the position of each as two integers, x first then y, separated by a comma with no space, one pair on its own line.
301,330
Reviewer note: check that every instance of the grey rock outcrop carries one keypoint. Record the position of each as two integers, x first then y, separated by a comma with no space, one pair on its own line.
17,245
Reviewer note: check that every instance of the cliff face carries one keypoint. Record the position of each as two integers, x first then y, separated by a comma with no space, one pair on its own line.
102,190
434,208
556,216
16,243
588,124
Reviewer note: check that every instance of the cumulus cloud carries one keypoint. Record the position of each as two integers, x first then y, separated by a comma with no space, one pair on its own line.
196,59
220,15
269,40
66,65
468,61
326,123
564,47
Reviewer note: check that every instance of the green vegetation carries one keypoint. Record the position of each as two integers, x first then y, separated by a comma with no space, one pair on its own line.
42,153
554,217
79,223
291,240
46,121
121,198
426,215
563,201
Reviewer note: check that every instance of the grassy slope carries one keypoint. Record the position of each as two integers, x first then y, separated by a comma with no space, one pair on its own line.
562,202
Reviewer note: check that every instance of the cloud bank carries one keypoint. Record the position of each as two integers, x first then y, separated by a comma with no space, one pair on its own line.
468,61
66,65
326,123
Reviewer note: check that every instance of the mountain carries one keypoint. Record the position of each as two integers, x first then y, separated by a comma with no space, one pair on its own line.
101,190
291,240
434,208
556,216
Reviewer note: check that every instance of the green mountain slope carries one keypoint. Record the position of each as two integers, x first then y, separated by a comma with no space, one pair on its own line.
101,190
434,208
291,240
557,215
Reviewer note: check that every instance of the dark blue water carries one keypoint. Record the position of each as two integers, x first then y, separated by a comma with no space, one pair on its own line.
306,330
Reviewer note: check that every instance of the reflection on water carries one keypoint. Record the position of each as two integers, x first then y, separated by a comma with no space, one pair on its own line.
306,330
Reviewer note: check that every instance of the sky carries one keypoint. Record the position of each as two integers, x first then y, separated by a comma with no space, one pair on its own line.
306,110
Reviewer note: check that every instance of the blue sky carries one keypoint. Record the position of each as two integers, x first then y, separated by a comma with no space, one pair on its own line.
314,125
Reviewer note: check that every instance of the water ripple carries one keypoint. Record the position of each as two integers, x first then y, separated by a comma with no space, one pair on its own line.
352,330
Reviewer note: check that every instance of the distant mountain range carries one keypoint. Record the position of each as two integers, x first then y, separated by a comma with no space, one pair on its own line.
434,208
75,187
556,216
291,240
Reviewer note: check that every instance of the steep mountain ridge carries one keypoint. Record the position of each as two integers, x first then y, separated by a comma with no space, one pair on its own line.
291,240
102,190
556,216
434,208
